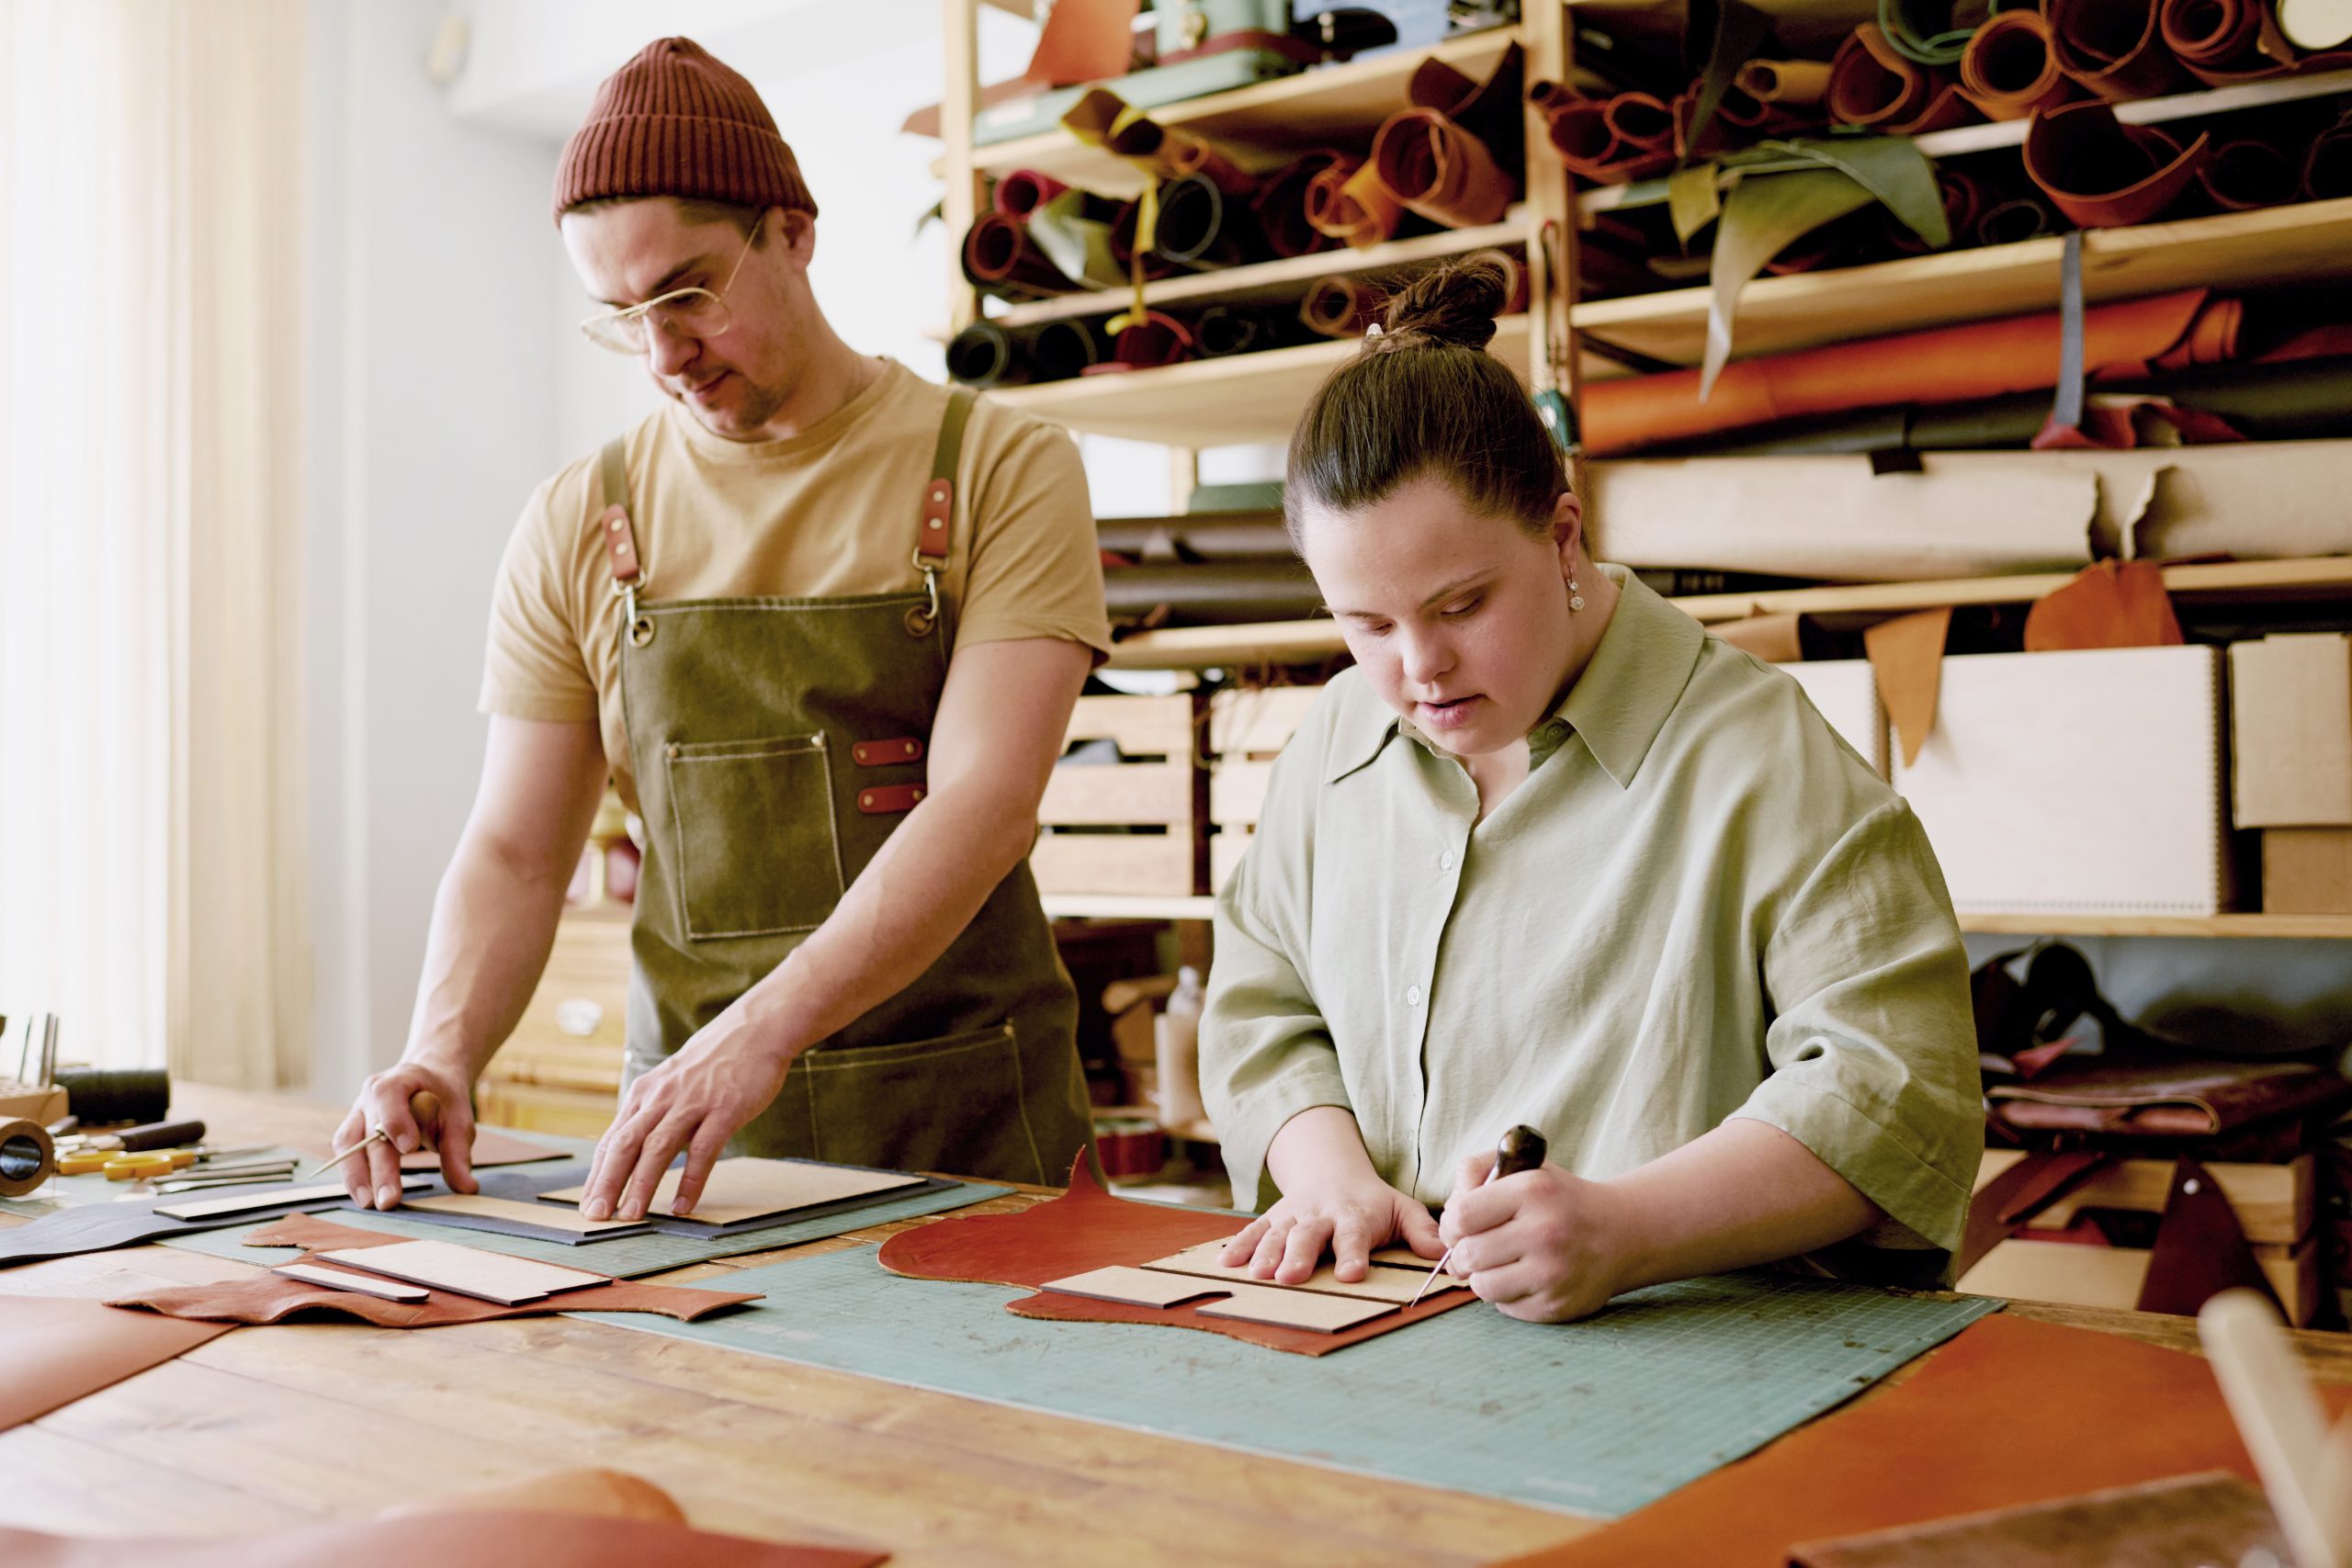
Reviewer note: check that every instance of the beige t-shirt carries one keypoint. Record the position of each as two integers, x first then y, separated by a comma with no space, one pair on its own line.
829,512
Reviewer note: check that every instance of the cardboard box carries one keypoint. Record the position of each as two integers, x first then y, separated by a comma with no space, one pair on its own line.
2307,871
2290,731
2086,783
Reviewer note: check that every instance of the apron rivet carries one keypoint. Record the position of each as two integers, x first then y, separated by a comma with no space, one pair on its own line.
865,800
673,749
917,795
911,747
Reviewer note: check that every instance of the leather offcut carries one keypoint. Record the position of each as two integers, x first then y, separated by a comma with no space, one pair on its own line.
2103,174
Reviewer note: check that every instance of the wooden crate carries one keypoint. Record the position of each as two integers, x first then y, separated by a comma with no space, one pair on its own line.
1126,827
560,1070
1248,727
2276,1205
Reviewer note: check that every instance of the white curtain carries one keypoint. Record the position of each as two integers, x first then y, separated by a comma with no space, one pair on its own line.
151,804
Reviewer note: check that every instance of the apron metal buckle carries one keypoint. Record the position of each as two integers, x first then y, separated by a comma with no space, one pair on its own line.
640,627
920,622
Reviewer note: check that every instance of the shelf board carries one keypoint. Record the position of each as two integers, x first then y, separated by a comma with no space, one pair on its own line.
1240,401
1276,279
1332,106
2235,250
1993,134
1126,907
1300,642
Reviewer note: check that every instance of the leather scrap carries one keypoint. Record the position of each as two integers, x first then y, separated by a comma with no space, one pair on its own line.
54,1350
2213,1517
1907,655
2110,603
2201,1249
2011,1412
2103,174
1087,1228
272,1298
461,1539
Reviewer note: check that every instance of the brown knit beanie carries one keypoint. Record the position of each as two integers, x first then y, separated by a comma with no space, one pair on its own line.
675,122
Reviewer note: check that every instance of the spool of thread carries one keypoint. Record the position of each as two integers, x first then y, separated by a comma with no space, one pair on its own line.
28,1158
101,1095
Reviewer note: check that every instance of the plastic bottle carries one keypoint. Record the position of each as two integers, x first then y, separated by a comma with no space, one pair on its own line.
1176,1036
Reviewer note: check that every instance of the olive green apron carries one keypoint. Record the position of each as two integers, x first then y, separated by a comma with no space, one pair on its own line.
778,743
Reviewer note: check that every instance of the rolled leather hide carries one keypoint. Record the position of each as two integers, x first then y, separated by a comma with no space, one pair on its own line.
2010,68
1281,205
1339,307
2016,221
1587,133
1158,339
2224,42
1874,86
999,259
2103,174
2242,175
2327,167
1348,202
987,355
1455,154
1022,191
1200,226
1211,593
2114,47
1222,330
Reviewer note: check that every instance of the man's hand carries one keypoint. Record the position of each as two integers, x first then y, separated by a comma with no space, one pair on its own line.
720,1079
373,1175
1543,1245
1348,1218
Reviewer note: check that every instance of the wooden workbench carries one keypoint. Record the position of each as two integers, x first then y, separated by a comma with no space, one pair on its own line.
281,1425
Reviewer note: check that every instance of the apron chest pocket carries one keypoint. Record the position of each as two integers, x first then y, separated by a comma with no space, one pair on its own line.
757,850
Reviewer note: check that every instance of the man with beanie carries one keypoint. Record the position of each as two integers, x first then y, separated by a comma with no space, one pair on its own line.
822,623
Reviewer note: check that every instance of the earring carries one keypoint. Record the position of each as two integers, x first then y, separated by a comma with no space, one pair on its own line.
1575,599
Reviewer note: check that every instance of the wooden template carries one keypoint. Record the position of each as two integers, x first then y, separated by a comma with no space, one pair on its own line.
748,1189
1380,1282
544,1216
1283,1308
212,1207
336,1280
466,1271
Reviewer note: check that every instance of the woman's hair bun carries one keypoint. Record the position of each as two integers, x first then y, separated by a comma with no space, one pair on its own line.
1456,303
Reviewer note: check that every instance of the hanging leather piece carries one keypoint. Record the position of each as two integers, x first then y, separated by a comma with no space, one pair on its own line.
2103,174
1281,205
2010,68
1873,86
1906,657
2201,1249
2110,603
2114,48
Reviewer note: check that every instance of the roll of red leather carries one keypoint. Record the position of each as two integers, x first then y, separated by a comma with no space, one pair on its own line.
1022,191
2327,167
1585,134
1339,307
2114,47
999,259
1348,202
1873,86
1981,359
2103,174
1432,166
1200,226
1486,110
1157,340
2225,41
2010,67
1281,205
2243,175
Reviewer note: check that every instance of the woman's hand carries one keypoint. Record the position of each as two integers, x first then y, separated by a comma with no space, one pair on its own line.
1348,1216
1546,1245
696,1100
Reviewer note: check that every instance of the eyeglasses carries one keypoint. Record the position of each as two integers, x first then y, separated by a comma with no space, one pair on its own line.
693,312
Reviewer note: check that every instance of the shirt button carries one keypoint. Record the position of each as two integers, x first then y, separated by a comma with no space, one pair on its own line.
1445,861
1412,996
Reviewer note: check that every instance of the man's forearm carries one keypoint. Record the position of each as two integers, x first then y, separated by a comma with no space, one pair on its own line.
1743,1194
493,925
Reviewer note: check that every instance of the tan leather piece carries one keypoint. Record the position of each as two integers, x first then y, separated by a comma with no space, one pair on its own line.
1784,81
2010,68
1960,364
1772,639
2104,174
2114,48
459,1539
1907,655
2011,1412
1871,84
492,1147
2110,603
1086,1228
54,1350
271,1298
1347,201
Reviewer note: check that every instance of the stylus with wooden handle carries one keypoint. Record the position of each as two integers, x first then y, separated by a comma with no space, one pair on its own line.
425,1105
1521,1148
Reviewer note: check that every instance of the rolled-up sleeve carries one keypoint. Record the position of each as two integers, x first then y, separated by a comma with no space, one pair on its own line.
1872,1042
1266,1051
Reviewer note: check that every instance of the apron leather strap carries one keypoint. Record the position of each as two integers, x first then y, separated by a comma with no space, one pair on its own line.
939,495
620,538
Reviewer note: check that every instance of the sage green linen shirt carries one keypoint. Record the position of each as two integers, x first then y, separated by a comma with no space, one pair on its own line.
1701,904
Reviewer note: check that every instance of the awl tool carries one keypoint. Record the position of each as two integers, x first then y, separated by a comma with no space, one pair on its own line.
1521,1148
425,1105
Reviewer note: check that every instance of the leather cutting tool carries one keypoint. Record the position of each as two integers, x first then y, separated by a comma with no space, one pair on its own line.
425,1105
1521,1148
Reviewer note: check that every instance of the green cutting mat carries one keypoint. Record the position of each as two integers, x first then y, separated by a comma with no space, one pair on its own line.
1595,1417
626,1257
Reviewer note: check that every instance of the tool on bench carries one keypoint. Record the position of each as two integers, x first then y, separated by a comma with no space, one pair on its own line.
425,1105
141,1140
1521,1148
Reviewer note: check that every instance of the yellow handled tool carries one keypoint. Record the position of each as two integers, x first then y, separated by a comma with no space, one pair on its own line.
140,1167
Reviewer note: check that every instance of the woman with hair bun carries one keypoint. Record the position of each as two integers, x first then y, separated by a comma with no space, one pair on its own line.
1550,855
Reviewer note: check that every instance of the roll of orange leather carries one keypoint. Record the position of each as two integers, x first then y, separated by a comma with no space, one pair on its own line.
1871,84
2225,41
1981,359
1784,81
1487,111
2010,67
1281,204
1586,135
1339,307
1432,166
1348,202
2114,47
2106,174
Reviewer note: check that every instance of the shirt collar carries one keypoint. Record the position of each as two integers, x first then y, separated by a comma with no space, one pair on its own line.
1617,704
